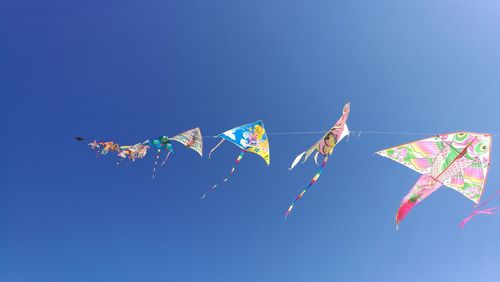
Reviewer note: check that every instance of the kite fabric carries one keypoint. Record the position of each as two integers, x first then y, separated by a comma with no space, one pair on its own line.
479,210
457,160
251,138
192,139
324,147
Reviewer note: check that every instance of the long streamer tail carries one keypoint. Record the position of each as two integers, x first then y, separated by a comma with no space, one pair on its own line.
214,148
485,211
315,178
424,186
155,165
478,210
240,156
166,158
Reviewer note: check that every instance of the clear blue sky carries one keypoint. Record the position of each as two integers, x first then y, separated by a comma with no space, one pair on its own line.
128,70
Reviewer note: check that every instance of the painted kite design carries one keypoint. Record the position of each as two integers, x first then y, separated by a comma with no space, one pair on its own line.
457,160
324,147
251,138
191,139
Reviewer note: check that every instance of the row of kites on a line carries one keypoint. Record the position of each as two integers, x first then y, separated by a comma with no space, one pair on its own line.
457,160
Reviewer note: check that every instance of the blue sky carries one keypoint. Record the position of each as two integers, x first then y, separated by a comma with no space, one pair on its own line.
127,71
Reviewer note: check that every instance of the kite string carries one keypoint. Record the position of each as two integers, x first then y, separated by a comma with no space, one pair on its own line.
356,133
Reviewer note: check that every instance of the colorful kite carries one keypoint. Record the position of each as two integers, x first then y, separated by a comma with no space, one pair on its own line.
457,160
324,147
105,147
191,139
251,138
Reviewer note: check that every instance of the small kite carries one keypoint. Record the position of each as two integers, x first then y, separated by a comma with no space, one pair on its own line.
105,146
191,139
251,138
324,147
134,152
457,160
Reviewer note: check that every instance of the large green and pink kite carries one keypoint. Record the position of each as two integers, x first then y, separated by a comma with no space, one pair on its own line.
457,160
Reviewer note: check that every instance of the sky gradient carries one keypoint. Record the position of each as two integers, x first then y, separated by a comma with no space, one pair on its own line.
131,70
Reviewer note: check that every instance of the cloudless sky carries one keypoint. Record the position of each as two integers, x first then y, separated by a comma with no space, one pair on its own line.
131,70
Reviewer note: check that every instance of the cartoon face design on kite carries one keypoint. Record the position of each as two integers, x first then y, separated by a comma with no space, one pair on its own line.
326,146
254,135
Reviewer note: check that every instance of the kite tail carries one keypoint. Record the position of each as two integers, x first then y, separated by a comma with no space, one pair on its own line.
214,148
156,164
240,156
166,158
424,186
492,210
315,178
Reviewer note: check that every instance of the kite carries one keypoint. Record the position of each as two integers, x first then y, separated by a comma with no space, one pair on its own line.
478,210
105,146
191,139
324,147
251,138
457,160
134,152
